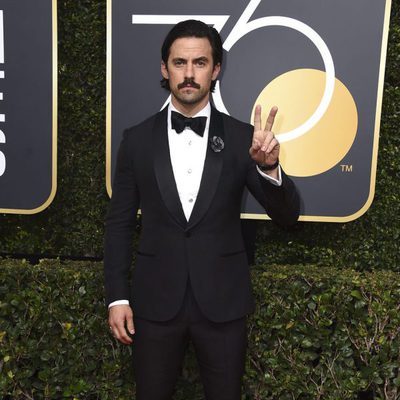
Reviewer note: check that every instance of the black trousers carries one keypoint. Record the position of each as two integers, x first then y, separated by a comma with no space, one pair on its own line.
159,348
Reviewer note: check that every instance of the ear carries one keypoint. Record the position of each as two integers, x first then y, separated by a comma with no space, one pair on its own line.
164,70
217,69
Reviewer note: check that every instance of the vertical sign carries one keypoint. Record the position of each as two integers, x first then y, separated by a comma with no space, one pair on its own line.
2,116
321,63
28,105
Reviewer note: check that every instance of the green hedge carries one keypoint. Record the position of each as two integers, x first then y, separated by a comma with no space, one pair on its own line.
317,333
73,224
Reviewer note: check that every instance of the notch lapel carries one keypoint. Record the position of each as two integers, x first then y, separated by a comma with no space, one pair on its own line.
163,169
211,172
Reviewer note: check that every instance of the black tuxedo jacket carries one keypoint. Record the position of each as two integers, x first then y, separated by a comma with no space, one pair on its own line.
208,249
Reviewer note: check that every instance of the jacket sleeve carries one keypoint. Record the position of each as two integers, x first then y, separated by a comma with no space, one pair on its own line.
281,203
120,225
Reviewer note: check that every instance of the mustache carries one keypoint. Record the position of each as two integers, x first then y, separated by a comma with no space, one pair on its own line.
189,81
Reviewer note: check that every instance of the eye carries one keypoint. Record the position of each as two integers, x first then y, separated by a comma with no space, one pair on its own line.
178,63
201,63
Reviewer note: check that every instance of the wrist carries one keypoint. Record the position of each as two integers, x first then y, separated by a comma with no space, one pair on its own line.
268,167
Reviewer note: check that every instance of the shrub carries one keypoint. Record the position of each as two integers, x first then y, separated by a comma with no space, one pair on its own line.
317,333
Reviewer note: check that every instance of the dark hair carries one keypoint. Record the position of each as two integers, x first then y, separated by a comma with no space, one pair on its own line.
192,28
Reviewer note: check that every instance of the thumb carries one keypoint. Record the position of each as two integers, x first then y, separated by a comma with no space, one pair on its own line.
129,324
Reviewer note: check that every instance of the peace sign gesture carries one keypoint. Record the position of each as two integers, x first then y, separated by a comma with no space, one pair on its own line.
264,149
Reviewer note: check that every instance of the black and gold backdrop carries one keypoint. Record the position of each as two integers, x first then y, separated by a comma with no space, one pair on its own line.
320,63
319,331
73,224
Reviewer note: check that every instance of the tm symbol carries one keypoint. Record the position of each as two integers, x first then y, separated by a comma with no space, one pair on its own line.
346,168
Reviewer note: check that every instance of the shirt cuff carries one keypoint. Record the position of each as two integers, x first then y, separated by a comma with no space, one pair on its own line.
276,182
118,303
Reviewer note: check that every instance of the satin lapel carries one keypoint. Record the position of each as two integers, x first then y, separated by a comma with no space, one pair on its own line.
211,172
163,169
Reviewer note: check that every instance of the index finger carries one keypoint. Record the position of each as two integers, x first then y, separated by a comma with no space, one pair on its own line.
257,118
271,118
123,336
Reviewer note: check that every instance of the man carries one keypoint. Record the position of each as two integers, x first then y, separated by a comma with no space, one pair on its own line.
191,278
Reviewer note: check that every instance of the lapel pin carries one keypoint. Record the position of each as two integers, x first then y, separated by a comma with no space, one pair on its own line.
217,144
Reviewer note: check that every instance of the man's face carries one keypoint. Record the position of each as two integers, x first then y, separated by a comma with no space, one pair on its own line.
190,71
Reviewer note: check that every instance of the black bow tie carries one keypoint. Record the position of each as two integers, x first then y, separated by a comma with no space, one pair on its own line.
180,122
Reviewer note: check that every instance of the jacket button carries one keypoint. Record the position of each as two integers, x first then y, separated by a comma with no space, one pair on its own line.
188,234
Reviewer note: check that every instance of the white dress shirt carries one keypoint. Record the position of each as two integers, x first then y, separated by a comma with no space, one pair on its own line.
188,154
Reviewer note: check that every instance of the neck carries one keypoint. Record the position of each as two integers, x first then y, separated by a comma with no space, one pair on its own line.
188,110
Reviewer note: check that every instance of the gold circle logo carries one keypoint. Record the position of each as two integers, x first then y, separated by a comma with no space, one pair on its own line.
297,94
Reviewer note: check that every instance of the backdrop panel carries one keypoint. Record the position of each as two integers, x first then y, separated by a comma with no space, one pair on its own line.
28,105
321,63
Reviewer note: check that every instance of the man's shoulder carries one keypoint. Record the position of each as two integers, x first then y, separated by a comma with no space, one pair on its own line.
235,126
143,126
238,124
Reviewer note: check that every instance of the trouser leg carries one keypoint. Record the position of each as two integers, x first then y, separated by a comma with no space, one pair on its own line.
221,351
158,352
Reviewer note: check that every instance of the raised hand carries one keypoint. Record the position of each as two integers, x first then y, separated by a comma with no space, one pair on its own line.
265,147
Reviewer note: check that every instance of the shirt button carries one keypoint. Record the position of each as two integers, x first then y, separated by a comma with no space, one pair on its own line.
190,200
189,171
190,143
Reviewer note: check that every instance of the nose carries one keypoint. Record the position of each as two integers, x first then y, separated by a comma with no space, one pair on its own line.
189,70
